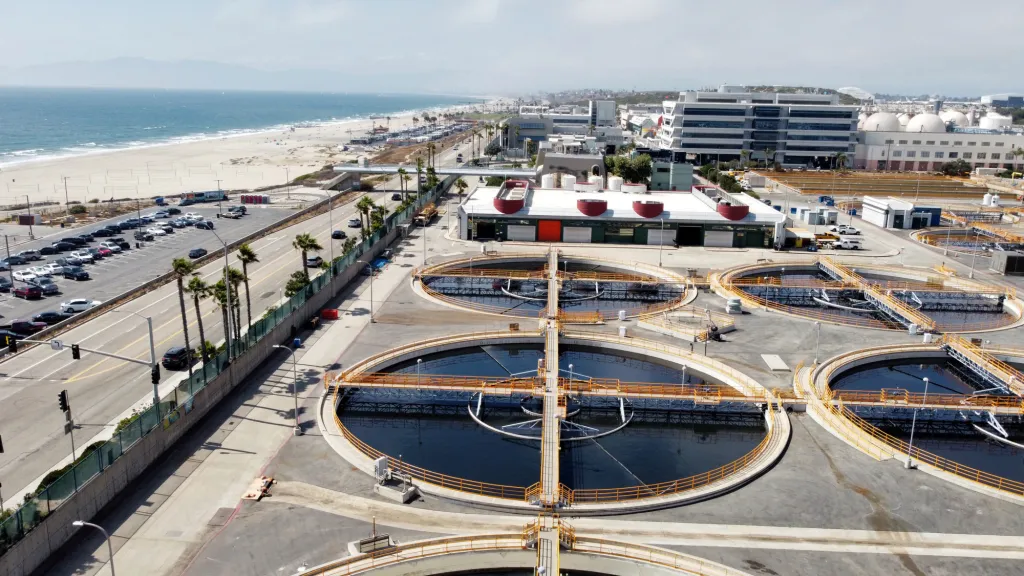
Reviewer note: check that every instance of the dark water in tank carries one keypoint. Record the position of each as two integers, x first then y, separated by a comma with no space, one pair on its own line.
658,445
947,433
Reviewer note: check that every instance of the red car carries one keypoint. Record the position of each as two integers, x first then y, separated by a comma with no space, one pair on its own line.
26,327
28,292
104,252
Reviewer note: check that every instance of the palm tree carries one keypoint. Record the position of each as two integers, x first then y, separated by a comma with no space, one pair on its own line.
461,185
401,181
744,155
200,290
183,267
405,185
419,171
237,278
364,206
220,296
246,255
305,243
841,160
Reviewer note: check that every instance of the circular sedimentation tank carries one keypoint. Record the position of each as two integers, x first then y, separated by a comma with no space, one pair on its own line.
873,296
644,425
966,241
590,289
952,415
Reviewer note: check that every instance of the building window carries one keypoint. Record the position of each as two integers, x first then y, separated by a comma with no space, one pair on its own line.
972,143
890,142
953,154
917,142
911,153
940,154
958,143
816,126
925,154
986,143
981,155
999,143
903,141
968,155
995,155
930,142
897,153
944,143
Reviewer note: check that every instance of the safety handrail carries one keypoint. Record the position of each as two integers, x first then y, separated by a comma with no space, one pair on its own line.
677,561
904,397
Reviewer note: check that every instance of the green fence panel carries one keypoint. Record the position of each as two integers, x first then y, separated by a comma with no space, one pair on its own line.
131,434
109,452
87,468
149,419
61,489
29,515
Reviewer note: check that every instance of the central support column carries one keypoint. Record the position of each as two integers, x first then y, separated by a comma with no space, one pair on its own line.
552,410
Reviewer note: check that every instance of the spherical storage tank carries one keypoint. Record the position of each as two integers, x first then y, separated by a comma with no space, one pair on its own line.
993,121
882,122
930,123
955,116
904,119
547,181
568,181
615,183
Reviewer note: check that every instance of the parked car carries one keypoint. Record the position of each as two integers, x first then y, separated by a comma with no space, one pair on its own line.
74,240
48,251
155,231
230,214
96,252
193,216
30,255
47,285
28,292
355,223
121,243
40,270
103,233
197,253
113,247
173,211
339,235
240,209
848,244
204,225
63,246
14,260
105,252
26,327
87,236
75,273
24,275
49,317
314,261
77,258
4,266
54,268
161,214
167,228
78,305
143,236
843,229
5,284
176,358
178,223
147,219
397,196
5,334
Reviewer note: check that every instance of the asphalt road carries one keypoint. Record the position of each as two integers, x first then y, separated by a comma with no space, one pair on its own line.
132,268
102,389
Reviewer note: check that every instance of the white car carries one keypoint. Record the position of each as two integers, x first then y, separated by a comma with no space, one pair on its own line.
112,247
83,255
844,229
24,275
194,218
78,305
54,268
156,231
40,270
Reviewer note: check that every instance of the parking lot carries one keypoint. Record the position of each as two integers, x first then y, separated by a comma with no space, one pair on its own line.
121,272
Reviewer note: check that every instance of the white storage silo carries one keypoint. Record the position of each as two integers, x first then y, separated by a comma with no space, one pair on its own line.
994,121
986,200
568,181
995,200
615,183
631,188
547,181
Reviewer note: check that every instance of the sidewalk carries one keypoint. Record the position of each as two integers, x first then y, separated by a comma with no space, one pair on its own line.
167,523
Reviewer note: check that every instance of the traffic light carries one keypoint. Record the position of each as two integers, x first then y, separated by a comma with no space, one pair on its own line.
75,352
12,344
62,400
156,373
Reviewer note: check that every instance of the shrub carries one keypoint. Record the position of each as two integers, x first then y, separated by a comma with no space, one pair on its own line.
79,209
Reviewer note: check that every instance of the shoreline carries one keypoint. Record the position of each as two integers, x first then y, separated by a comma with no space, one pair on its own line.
244,161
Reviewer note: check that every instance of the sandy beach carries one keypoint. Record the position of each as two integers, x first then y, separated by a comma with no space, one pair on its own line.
230,163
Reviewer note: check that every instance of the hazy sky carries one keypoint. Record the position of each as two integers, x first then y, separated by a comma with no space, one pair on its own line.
517,46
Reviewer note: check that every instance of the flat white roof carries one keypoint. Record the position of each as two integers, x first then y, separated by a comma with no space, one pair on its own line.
558,203
889,202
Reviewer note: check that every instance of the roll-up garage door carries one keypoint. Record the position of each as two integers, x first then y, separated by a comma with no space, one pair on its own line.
718,238
523,233
579,234
665,238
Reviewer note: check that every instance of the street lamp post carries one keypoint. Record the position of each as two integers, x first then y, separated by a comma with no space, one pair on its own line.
296,430
152,352
661,241
817,340
110,547
974,259
570,374
913,424
227,288
419,362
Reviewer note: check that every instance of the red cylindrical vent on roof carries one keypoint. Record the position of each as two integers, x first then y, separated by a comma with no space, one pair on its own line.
733,211
509,206
648,208
591,207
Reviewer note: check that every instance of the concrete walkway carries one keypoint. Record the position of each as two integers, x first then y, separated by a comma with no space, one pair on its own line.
174,522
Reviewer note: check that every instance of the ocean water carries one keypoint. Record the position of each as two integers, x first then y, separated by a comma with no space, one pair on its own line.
37,123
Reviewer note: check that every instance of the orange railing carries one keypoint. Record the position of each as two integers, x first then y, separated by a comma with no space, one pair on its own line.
605,495
615,387
899,396
486,308
677,561
571,317
440,382
944,464
1006,373
418,550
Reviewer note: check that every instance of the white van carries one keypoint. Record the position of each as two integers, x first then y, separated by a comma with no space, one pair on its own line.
849,244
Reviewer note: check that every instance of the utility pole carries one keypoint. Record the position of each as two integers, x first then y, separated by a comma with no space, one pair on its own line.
67,203
28,204
10,269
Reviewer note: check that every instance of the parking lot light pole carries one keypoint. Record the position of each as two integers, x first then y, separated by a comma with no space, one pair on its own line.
913,424
227,289
110,547
296,430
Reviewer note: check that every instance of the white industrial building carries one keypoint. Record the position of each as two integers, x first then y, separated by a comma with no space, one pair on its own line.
899,214
924,142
